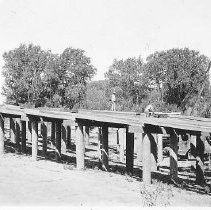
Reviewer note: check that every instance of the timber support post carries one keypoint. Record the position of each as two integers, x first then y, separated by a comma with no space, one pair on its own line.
53,128
68,136
160,147
146,159
58,139
122,137
129,152
80,148
86,134
104,150
64,139
18,133
44,137
139,140
34,124
23,136
12,130
173,155
29,132
200,159
1,135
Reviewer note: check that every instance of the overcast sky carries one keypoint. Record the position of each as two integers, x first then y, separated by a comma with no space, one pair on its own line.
106,29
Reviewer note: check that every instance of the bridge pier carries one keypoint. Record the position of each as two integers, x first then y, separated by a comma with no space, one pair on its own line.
29,132
122,136
160,147
34,124
129,152
64,138
23,136
146,159
18,133
139,145
80,148
44,136
86,134
1,135
173,155
12,130
58,139
104,150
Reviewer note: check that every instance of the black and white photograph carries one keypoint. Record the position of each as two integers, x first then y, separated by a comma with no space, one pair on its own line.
105,104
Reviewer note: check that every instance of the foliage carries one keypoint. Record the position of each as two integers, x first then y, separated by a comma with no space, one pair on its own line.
126,78
39,77
22,70
178,74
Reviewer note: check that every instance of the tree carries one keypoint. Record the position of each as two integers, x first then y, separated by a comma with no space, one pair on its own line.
22,70
178,74
126,78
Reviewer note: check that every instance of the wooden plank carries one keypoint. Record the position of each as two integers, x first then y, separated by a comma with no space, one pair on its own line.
86,134
44,137
139,140
1,135
122,139
18,133
64,139
68,136
80,148
129,152
34,124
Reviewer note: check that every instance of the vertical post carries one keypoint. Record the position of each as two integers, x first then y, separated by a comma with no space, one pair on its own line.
23,136
129,151
117,140
200,159
12,130
160,147
18,133
44,137
154,150
58,140
105,147
64,138
146,159
86,134
1,135
68,136
209,166
173,155
121,144
80,149
100,146
29,132
139,140
53,132
34,124
193,146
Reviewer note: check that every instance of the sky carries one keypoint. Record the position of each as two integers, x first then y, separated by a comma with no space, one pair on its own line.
105,29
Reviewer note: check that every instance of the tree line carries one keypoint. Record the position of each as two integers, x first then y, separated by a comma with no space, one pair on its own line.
171,80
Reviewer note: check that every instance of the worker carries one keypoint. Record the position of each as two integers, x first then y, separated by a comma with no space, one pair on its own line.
113,101
149,110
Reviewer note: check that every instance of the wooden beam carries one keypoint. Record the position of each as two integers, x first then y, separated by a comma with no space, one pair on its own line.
129,152
105,164
122,139
18,133
44,137
34,124
12,130
1,135
160,147
64,139
53,130
153,140
23,136
200,159
29,132
139,141
58,139
86,134
173,154
68,136
80,149
146,159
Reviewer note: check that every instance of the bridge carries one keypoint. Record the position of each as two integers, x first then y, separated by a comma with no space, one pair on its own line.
150,130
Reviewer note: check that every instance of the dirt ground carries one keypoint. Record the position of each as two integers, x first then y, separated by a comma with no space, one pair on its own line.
24,182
